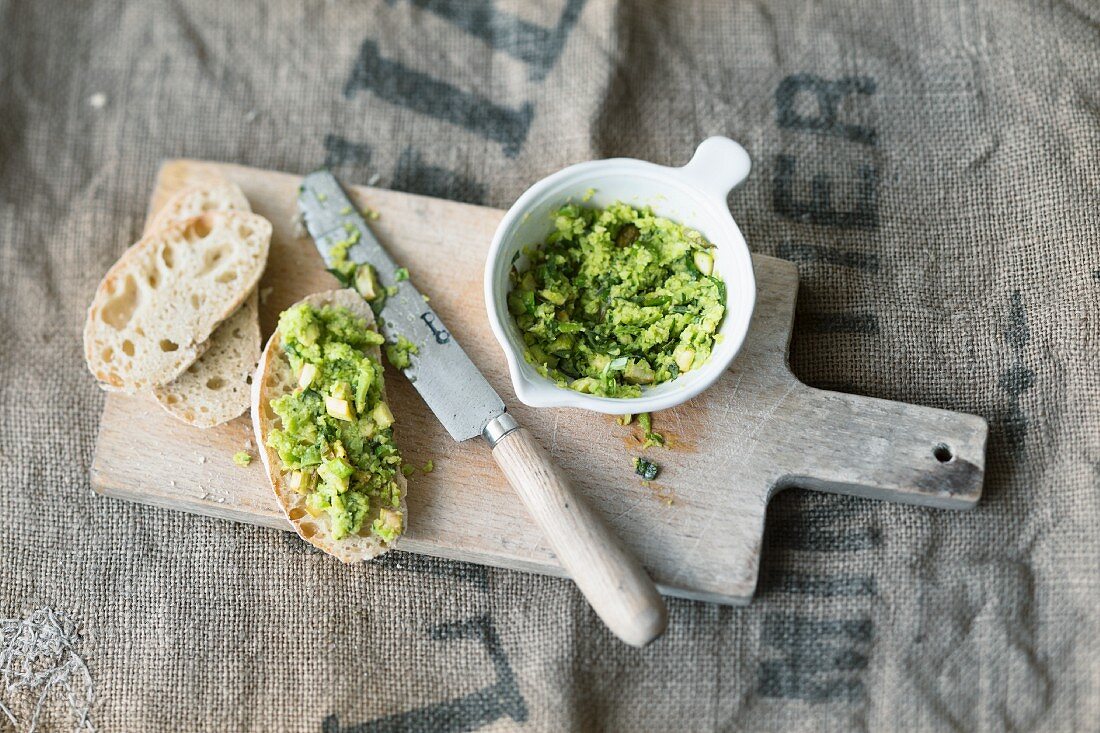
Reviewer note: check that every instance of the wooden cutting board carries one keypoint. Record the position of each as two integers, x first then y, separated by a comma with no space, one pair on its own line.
698,528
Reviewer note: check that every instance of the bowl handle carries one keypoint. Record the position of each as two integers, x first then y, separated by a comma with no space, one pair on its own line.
718,165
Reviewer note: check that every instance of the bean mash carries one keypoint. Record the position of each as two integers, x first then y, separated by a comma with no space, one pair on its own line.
336,438
617,299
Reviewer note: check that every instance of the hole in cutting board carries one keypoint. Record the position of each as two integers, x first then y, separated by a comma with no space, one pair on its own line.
943,453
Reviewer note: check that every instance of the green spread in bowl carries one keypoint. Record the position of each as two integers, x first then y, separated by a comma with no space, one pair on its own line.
615,299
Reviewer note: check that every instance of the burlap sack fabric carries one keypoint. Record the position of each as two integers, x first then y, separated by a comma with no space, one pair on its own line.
933,168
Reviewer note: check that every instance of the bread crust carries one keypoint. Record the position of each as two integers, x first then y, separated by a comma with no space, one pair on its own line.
219,195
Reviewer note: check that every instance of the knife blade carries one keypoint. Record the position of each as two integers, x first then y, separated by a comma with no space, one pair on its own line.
611,579
440,370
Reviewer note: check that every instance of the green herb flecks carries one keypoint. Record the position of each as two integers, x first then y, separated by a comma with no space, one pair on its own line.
650,439
409,470
646,469
398,353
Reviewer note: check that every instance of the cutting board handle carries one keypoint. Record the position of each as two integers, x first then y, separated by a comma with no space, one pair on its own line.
880,449
612,579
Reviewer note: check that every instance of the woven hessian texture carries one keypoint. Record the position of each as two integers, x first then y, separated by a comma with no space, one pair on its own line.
933,166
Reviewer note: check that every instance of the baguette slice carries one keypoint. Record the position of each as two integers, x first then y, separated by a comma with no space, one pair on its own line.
215,389
191,202
274,378
163,298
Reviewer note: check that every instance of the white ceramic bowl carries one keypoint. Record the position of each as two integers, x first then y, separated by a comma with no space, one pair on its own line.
695,196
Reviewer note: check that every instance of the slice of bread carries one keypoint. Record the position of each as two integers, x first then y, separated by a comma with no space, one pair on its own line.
274,378
191,202
164,297
217,387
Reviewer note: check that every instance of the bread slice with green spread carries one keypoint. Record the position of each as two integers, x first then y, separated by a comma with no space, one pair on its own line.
216,388
324,428
158,305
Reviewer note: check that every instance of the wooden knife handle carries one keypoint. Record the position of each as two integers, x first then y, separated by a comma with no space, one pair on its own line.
612,579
